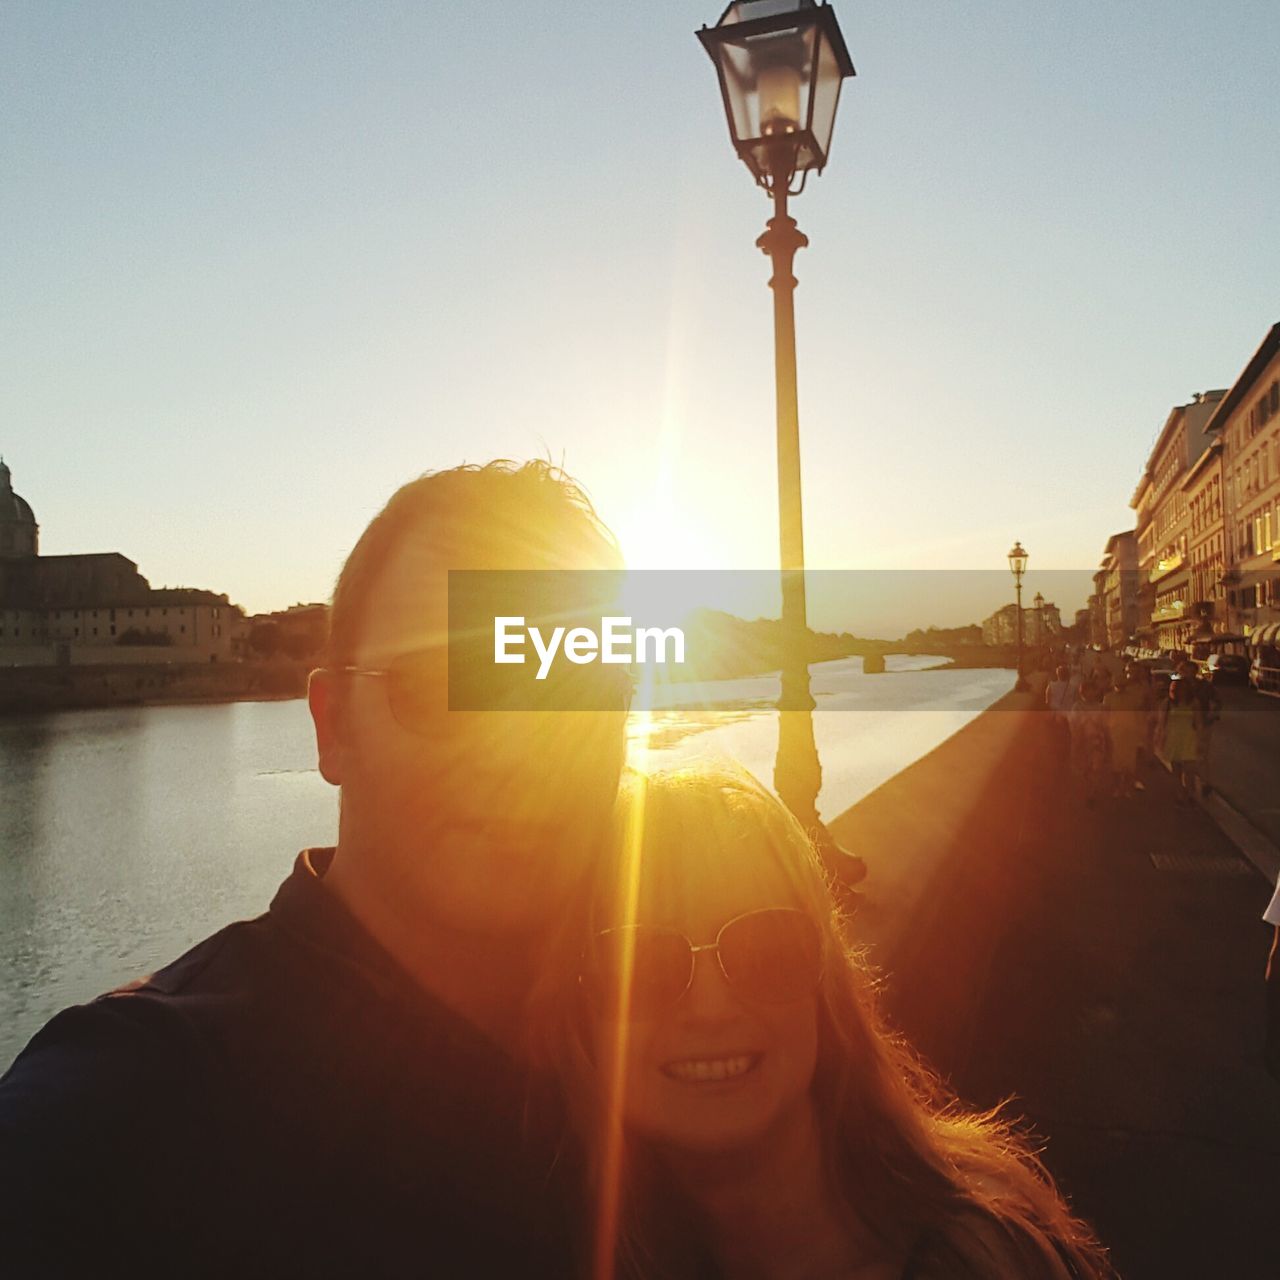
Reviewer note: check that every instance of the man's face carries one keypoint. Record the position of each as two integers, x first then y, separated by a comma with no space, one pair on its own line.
485,819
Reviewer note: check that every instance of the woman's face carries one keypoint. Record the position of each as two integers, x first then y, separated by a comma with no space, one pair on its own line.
716,1070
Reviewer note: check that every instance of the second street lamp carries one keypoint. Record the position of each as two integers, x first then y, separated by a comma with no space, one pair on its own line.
781,64
1018,566
1038,602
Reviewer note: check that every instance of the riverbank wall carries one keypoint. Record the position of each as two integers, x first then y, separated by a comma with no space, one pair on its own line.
944,842
29,690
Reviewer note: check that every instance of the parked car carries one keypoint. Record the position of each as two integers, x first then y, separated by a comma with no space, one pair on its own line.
1264,670
1227,668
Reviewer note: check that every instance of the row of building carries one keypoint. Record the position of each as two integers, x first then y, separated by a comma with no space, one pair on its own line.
97,609
1203,557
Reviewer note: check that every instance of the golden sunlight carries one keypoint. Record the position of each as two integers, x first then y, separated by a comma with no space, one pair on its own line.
658,536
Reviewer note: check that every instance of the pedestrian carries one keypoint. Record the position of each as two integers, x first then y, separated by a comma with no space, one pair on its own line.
1179,735
337,1088
1271,1047
1128,714
1057,700
1210,704
745,1109
1074,679
1140,675
1090,746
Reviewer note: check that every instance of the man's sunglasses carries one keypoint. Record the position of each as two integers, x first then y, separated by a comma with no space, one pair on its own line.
423,685
773,956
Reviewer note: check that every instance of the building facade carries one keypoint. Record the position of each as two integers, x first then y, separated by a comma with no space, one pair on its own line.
1248,425
1098,610
1206,540
1144,628
1117,585
1162,533
97,608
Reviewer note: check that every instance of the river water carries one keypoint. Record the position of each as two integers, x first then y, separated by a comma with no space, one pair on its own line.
128,834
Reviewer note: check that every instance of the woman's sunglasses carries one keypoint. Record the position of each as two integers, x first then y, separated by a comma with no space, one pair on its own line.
769,957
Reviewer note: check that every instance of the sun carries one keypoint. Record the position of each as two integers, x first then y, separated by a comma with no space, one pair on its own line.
661,537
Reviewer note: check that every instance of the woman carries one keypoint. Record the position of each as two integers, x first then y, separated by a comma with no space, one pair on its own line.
1179,734
745,1109
1128,709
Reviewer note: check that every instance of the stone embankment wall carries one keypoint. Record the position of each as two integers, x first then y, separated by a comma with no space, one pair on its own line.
944,842
33,689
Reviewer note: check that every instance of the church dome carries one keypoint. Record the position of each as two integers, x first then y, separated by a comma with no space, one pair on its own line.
18,528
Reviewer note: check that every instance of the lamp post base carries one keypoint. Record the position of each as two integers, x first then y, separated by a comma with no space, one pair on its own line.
847,869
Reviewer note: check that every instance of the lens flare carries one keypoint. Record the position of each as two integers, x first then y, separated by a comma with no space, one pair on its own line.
606,1235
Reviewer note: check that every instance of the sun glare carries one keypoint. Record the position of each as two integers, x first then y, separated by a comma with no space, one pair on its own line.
660,537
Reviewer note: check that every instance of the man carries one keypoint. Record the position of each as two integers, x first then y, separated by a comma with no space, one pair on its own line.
335,1088
1209,701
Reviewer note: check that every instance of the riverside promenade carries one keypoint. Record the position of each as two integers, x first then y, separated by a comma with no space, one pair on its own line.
1102,968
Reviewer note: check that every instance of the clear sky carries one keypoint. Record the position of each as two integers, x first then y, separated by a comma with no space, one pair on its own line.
262,262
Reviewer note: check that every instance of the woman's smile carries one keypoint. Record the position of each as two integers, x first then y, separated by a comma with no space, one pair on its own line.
712,1070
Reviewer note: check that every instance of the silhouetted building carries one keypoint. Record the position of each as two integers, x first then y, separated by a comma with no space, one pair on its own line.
97,607
1039,626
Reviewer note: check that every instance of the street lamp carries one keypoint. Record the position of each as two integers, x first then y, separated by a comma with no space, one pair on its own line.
781,64
1018,566
1038,601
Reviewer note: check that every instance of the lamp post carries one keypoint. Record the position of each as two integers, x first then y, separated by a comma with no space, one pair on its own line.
781,64
1038,602
1018,566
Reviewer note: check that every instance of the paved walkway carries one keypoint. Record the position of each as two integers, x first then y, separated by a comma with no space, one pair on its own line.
1246,759
1123,1008
1103,967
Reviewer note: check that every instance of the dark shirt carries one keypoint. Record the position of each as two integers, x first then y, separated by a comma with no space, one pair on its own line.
282,1100
1208,697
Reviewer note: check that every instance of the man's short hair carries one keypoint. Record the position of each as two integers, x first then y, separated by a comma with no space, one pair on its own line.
501,514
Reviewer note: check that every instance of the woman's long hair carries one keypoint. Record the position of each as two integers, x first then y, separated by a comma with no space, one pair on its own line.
960,1191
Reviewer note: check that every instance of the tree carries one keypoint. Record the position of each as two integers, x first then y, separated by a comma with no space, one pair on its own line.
264,639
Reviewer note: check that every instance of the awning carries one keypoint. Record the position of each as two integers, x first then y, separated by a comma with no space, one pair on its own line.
1269,633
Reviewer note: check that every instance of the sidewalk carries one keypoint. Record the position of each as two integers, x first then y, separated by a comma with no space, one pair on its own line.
1124,1013
1245,763
1101,967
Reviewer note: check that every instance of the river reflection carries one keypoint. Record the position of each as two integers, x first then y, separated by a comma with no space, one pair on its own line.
127,834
